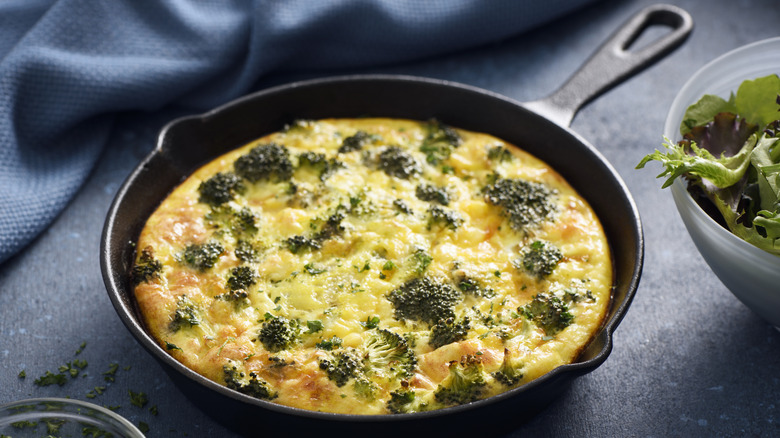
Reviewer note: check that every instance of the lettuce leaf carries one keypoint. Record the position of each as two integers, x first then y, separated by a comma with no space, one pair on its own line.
730,153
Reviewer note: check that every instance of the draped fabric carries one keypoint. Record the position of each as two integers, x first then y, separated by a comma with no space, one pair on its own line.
68,67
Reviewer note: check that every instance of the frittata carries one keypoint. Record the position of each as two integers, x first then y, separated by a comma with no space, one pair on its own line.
373,266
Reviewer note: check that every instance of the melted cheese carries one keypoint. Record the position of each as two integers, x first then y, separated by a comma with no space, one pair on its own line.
345,283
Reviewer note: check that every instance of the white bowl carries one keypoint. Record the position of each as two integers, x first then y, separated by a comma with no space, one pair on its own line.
751,274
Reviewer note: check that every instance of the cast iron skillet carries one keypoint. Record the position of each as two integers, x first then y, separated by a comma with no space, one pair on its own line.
539,127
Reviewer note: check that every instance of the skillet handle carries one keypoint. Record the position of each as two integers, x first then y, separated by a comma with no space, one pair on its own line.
613,62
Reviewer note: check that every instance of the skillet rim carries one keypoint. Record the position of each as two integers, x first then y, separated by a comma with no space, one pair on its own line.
117,281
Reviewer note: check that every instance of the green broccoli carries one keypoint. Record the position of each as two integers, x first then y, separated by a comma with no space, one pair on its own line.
319,163
254,386
404,401
147,268
236,296
541,258
185,315
386,352
402,207
447,331
300,243
465,383
354,142
499,153
468,285
511,370
242,224
279,333
365,388
268,162
548,312
202,256
342,366
246,251
439,142
220,188
444,217
424,299
312,159
526,203
397,162
332,226
241,278
431,193
471,286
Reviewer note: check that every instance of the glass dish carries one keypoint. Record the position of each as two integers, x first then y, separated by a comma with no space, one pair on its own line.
61,417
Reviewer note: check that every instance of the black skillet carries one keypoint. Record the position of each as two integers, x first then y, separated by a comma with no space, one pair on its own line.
539,127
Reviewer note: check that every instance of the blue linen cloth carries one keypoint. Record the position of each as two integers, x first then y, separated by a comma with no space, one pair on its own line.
68,66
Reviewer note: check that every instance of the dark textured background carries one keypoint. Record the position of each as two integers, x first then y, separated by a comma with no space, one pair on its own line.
689,359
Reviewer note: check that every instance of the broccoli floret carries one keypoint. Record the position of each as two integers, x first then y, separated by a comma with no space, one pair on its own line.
147,268
400,400
312,159
235,296
242,224
241,278
364,388
424,299
341,366
388,351
526,203
300,243
404,401
185,315
447,331
220,188
320,163
332,226
354,142
396,162
510,371
402,206
465,383
443,217
202,256
541,258
439,142
279,333
254,386
268,162
431,193
499,153
576,294
548,312
470,286
246,251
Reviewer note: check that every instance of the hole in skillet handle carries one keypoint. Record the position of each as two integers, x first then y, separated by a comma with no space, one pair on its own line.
613,62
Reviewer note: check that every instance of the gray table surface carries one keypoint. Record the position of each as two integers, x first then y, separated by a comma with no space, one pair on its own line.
689,359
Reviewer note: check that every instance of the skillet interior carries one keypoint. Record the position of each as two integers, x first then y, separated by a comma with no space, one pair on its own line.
186,144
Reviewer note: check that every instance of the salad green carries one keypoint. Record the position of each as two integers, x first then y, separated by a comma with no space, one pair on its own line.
730,155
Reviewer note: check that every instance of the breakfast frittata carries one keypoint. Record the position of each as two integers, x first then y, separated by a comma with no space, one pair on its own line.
373,266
